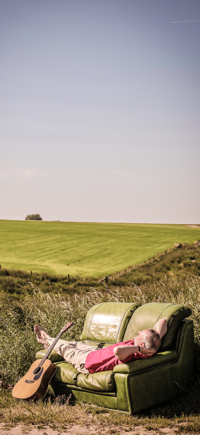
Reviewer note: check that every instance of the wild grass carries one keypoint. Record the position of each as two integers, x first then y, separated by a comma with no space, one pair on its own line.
52,309
62,415
17,342
177,263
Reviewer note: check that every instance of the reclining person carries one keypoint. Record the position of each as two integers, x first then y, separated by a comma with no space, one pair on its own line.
88,359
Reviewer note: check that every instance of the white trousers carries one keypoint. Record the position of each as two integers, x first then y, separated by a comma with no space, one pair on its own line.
74,352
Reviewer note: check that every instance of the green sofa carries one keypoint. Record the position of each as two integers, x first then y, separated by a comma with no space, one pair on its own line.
140,384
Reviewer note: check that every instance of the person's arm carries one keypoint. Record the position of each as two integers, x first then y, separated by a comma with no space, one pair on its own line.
161,327
122,352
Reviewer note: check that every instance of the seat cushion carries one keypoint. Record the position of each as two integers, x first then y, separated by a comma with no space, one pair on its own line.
101,381
147,315
107,322
140,365
65,373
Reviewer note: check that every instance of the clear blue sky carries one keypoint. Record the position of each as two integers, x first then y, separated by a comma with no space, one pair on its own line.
100,110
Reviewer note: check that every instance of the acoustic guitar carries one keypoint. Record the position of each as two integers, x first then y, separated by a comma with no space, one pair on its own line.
35,383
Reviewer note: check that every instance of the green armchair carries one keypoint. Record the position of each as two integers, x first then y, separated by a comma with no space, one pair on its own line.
140,384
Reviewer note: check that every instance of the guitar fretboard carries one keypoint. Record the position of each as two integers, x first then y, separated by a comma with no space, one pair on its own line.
53,344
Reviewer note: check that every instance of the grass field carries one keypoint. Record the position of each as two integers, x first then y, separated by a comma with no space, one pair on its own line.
27,299
85,249
18,346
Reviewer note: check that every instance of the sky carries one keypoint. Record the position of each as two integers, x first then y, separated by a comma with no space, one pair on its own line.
100,110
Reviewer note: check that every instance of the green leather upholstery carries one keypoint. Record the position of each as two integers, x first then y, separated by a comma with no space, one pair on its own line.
167,357
105,399
166,381
102,381
106,322
185,349
147,315
65,373
174,317
140,384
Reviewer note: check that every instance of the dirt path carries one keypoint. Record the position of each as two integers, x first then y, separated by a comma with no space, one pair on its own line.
82,430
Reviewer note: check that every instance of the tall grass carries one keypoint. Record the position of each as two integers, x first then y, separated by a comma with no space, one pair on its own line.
18,347
17,339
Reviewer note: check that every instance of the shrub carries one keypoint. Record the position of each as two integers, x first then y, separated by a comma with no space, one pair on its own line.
33,217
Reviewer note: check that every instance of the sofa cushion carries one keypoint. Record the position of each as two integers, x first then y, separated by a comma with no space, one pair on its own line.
147,315
65,373
140,365
101,381
106,322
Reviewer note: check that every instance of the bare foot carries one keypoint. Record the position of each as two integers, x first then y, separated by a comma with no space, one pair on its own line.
40,332
43,342
41,336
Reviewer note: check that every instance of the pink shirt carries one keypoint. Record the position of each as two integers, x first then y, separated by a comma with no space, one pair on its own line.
105,359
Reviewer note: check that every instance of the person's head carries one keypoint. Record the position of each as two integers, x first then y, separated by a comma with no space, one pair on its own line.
148,338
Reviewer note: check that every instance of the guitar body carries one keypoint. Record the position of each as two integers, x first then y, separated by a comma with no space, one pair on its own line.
34,385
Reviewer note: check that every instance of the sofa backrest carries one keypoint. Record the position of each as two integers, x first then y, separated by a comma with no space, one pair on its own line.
106,322
147,315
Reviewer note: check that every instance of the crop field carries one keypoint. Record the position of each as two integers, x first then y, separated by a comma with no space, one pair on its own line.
85,249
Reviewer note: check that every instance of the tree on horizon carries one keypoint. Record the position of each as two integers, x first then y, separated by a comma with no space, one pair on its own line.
33,217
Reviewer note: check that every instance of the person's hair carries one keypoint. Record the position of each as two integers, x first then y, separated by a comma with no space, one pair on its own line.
152,340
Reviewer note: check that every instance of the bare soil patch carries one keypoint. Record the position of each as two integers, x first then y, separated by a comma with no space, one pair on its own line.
82,430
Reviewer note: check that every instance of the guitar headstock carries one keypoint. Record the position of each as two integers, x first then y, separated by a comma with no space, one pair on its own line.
66,327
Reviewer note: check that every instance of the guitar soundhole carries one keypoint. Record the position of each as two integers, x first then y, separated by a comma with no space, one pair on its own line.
36,370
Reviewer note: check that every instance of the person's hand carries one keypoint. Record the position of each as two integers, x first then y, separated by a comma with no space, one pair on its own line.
145,351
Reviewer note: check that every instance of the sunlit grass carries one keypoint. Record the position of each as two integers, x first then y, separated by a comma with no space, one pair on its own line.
52,309
62,414
94,249
17,341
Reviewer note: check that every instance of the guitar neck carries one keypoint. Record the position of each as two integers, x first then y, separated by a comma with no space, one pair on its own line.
53,344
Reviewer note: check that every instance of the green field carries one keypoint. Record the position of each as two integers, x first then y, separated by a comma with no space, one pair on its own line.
95,249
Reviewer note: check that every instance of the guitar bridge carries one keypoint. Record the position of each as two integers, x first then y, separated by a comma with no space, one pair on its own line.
29,382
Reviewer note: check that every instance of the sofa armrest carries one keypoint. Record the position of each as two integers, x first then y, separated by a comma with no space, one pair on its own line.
185,325
162,358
